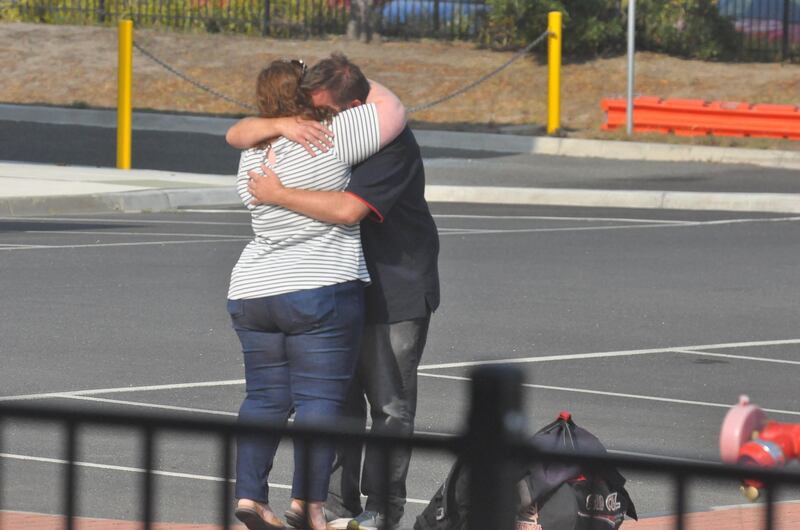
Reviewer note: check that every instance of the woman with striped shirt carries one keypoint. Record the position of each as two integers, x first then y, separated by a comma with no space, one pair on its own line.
296,293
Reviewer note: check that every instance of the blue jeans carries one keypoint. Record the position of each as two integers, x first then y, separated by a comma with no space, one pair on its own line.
300,352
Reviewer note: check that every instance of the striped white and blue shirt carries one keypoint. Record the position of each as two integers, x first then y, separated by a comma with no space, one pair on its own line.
291,251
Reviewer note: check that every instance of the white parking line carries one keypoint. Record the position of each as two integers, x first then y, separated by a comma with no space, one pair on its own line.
482,231
151,405
743,357
619,395
123,389
123,221
557,218
157,472
424,367
149,234
9,246
599,355
136,244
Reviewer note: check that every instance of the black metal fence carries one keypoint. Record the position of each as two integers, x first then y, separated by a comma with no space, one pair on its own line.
491,448
277,18
770,29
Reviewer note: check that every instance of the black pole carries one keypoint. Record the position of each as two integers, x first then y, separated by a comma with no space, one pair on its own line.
70,489
265,20
494,421
148,459
225,494
680,502
2,424
436,15
769,516
785,40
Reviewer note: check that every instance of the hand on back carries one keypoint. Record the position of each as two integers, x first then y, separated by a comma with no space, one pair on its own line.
307,133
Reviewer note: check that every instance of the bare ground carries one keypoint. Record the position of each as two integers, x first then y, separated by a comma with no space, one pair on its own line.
76,66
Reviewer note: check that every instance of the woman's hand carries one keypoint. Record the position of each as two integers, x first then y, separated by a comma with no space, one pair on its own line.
307,133
265,187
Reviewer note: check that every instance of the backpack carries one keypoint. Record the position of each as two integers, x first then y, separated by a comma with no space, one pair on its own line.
550,496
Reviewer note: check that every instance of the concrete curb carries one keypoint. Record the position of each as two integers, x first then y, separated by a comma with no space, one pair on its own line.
173,199
617,150
668,200
131,201
501,143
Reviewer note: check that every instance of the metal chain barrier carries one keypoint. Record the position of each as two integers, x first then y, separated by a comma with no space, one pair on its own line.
191,81
482,79
411,110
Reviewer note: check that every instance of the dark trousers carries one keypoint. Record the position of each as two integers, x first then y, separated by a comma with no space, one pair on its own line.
387,378
300,351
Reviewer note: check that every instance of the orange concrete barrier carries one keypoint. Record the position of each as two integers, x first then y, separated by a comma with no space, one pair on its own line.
696,117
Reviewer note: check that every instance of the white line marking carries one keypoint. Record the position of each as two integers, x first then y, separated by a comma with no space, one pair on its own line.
761,220
545,358
211,210
108,233
743,357
126,469
749,506
123,221
481,231
151,405
598,355
619,395
117,390
556,218
686,224
510,217
9,246
137,244
26,458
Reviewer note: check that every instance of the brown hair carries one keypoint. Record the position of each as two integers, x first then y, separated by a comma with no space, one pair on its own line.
279,94
343,80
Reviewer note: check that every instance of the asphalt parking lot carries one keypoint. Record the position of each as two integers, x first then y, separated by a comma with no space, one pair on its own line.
646,325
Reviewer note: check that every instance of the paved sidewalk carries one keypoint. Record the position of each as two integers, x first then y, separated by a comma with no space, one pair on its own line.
38,521
34,189
747,517
464,167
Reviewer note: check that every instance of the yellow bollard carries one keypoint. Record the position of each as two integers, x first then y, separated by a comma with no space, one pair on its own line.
124,76
554,72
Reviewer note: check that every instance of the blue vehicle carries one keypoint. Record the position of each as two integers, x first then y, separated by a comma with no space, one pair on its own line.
402,11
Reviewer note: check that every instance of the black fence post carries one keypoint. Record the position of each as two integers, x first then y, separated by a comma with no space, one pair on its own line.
148,462
436,15
70,489
680,502
787,7
265,20
494,421
225,494
769,516
2,425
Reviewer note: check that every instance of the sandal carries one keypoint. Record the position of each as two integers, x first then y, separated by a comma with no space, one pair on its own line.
297,519
253,521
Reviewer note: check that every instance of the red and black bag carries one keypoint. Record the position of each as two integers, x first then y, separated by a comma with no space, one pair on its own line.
551,496
567,497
